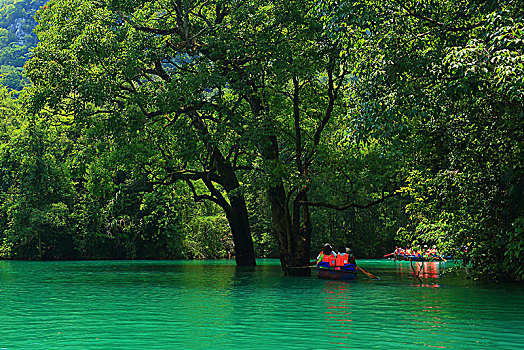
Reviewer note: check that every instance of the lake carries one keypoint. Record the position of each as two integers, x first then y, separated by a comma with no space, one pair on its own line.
215,305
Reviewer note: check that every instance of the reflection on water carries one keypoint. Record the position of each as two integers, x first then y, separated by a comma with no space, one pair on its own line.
338,312
426,273
396,312
214,305
428,269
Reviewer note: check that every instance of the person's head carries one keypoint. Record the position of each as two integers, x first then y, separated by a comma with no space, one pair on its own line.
341,248
348,251
327,249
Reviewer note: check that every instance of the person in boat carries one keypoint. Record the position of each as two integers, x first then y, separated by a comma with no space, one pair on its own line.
418,252
327,255
327,250
432,252
341,257
399,251
344,257
351,258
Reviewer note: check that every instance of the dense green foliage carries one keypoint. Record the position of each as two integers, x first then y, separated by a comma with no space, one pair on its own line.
65,196
444,81
155,129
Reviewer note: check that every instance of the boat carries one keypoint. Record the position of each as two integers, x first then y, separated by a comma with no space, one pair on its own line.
399,254
418,258
327,272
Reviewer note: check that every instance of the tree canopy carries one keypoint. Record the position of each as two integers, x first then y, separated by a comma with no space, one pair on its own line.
265,128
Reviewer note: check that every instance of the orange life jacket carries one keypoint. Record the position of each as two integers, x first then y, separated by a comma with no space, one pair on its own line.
332,260
327,258
341,260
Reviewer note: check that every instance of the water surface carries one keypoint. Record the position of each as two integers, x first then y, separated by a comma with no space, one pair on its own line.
215,305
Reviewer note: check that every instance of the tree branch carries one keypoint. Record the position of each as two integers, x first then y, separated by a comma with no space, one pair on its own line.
200,197
156,30
351,205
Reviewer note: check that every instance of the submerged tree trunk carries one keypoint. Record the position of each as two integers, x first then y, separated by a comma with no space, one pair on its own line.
238,219
302,230
293,231
292,228
235,206
236,211
40,254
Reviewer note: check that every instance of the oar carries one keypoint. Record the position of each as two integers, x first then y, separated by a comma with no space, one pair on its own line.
370,275
385,256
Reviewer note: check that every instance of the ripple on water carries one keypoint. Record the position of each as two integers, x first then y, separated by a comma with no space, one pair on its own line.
213,305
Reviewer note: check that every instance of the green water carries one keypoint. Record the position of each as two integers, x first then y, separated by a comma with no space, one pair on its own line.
214,305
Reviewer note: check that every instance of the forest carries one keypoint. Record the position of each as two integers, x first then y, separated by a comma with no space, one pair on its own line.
191,129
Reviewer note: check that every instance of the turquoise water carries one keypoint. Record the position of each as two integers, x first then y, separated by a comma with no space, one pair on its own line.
214,305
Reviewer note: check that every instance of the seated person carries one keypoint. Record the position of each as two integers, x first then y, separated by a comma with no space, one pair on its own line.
351,258
342,257
345,258
327,255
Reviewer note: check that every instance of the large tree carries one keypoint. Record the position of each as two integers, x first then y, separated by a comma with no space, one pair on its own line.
92,62
229,93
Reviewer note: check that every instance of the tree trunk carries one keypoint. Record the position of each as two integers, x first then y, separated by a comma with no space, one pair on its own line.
281,224
236,209
40,254
302,230
293,230
239,223
293,238
236,212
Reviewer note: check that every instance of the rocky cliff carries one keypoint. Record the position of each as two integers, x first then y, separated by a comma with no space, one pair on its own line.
16,39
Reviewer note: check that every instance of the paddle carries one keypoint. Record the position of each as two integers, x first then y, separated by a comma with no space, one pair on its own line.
370,275
385,256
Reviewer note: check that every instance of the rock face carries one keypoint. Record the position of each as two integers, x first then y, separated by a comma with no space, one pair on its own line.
16,39
19,31
17,16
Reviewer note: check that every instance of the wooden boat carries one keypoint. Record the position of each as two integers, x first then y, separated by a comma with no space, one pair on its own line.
418,258
327,272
